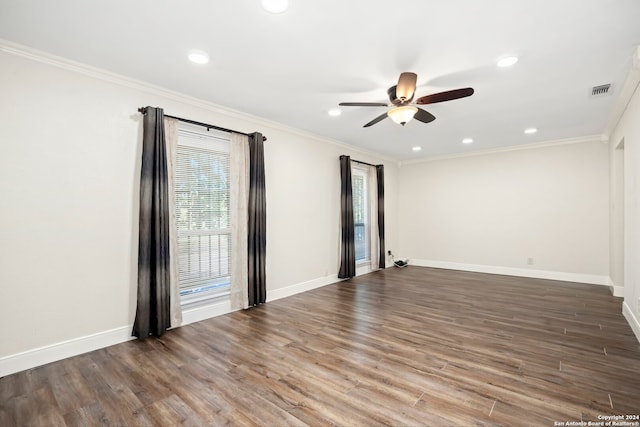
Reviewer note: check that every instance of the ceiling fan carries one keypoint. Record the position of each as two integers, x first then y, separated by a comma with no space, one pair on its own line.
401,97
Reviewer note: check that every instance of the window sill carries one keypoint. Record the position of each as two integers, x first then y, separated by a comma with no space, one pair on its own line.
201,298
363,268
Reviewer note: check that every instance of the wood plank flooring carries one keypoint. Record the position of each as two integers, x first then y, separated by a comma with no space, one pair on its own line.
402,347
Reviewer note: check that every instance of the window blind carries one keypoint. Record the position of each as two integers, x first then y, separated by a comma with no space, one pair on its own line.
202,188
359,183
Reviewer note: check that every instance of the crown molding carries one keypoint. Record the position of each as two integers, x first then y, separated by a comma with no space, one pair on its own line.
16,49
531,146
98,73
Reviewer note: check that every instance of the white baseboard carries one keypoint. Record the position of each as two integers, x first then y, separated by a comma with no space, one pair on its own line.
73,347
632,319
616,291
51,353
288,291
54,352
511,271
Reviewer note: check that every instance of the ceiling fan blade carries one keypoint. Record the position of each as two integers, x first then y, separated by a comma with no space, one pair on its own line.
424,116
445,96
363,104
376,120
406,86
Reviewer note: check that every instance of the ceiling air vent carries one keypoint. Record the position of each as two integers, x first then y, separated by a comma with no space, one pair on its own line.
600,90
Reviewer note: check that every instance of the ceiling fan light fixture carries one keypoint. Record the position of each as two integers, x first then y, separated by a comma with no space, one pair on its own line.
402,115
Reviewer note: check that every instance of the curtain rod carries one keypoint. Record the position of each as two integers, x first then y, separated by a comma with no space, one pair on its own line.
205,125
364,163
358,161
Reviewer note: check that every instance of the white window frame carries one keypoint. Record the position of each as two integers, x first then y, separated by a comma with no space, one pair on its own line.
215,289
360,171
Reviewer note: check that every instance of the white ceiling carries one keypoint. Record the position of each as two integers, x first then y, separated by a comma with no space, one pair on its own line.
293,67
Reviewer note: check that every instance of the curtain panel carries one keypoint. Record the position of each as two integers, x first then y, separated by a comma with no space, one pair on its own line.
373,218
171,142
257,223
347,236
380,184
239,173
153,312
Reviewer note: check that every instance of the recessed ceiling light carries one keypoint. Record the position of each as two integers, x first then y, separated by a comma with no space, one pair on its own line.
417,148
530,131
334,112
507,61
467,141
275,6
198,57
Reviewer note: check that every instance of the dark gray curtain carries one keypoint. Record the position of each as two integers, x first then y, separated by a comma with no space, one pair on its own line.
347,238
153,309
380,181
257,226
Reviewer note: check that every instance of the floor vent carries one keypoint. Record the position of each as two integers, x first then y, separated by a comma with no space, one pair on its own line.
600,90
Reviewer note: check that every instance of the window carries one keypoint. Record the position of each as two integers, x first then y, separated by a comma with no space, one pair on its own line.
202,189
360,192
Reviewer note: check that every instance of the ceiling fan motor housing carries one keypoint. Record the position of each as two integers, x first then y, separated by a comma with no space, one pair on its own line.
391,92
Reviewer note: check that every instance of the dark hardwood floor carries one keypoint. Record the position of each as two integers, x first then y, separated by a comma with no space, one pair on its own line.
402,347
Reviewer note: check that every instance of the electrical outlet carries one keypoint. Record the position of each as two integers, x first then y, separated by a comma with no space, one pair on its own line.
530,260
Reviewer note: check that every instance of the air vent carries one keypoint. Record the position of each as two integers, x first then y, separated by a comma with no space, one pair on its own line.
600,90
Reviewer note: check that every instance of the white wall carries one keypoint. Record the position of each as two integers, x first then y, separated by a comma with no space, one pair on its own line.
492,212
69,175
628,130
303,187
